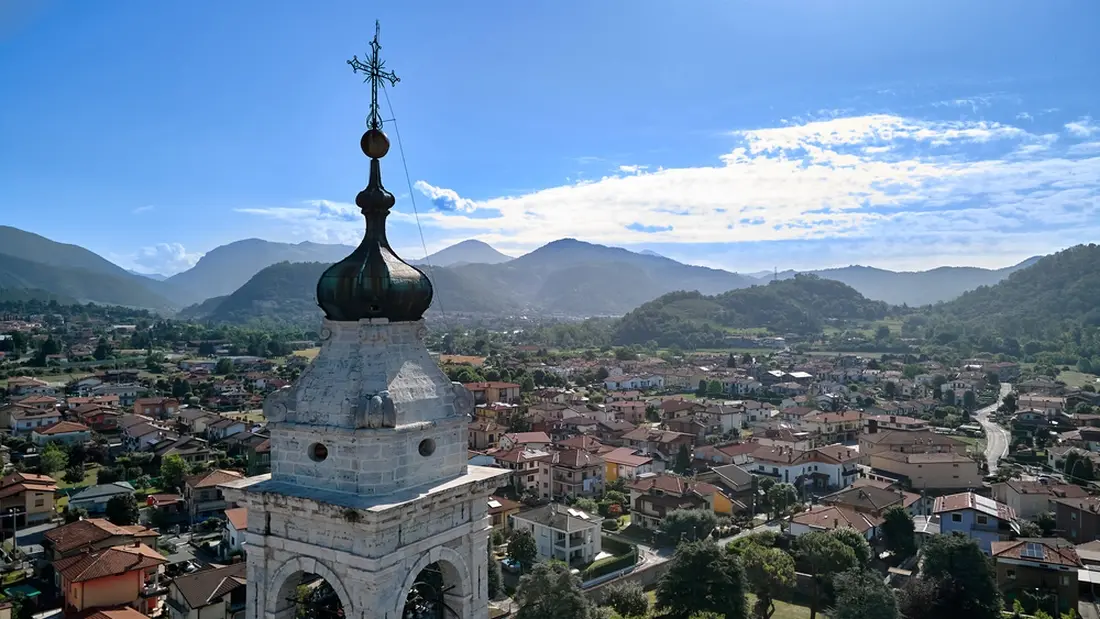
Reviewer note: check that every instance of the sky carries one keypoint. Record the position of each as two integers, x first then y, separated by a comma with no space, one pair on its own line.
740,135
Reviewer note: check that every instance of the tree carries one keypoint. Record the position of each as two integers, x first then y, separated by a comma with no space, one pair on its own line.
1047,523
627,598
702,578
495,579
1030,529
731,361
882,333
682,465
122,510
714,389
898,531
1077,466
970,400
224,366
782,497
52,458
918,598
852,539
586,504
968,588
861,594
687,525
890,389
769,572
74,474
527,385
72,515
551,592
173,469
522,549
102,349
949,396
701,390
823,556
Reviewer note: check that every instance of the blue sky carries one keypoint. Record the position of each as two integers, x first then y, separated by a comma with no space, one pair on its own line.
740,135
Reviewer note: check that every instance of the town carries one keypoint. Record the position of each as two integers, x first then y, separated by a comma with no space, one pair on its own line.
114,466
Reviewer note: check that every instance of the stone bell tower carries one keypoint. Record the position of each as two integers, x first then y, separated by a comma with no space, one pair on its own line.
369,487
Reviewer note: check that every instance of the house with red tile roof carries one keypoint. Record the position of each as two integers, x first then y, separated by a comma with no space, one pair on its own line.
529,440
111,577
236,524
203,496
829,467
29,496
1023,566
93,534
576,473
832,517
489,392
66,432
654,495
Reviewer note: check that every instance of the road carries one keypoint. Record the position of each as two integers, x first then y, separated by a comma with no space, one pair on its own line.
996,437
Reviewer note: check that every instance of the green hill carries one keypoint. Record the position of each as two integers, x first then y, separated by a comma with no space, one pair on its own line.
287,293
1050,298
803,304
78,283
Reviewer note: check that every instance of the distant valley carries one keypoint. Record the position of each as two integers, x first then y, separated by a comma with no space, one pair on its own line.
254,279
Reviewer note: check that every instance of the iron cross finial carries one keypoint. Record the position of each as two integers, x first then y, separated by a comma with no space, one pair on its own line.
375,69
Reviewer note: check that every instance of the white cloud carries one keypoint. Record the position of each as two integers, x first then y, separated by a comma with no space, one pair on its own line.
1083,127
163,258
632,169
915,182
143,209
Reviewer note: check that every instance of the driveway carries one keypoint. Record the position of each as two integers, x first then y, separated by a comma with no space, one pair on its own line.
996,437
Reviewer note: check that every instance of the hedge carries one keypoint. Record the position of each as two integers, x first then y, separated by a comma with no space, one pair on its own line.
608,565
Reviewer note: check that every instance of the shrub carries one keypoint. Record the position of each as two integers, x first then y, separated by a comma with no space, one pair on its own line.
610,524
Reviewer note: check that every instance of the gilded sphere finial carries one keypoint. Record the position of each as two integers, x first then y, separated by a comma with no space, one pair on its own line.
375,144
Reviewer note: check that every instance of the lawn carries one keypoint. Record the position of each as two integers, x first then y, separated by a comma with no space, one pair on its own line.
308,353
91,476
1077,379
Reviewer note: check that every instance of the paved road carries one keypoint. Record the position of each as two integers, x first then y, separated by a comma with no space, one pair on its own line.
996,437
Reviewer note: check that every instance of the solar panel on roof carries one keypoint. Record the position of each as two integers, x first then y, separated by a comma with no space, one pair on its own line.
1033,551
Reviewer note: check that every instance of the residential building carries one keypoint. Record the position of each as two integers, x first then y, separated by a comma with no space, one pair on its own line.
494,391
530,469
830,517
193,450
483,433
94,499
665,444
501,510
157,407
92,534
831,467
645,381
22,420
527,440
1046,566
576,473
908,441
127,393
258,458
654,495
29,497
841,427
215,593
224,428
977,517
27,385
873,500
735,482
561,532
66,432
204,498
626,463
111,577
936,471
41,402
99,417
166,509
236,524
1031,498
1078,519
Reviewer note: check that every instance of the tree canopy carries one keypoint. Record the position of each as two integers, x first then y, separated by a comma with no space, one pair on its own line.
702,578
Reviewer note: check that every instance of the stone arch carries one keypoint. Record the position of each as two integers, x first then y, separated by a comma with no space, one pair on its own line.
282,581
455,572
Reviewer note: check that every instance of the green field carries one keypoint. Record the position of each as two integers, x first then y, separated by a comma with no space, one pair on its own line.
783,610
1077,379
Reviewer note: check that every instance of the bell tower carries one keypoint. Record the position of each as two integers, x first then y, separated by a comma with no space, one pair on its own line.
370,504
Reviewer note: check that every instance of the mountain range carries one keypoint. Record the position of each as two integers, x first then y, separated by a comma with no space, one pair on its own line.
564,277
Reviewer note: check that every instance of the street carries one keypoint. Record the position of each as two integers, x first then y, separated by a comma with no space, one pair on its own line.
996,437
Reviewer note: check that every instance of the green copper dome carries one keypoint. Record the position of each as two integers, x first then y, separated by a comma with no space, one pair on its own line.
373,282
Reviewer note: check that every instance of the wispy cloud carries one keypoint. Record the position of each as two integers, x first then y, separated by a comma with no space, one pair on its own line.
1083,127
162,258
143,209
924,187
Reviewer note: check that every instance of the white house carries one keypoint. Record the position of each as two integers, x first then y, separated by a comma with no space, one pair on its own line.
236,524
561,532
67,432
830,467
645,381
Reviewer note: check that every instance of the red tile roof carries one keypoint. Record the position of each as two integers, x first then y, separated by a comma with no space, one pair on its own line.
62,427
626,456
238,517
90,531
969,500
830,517
213,478
108,562
1038,551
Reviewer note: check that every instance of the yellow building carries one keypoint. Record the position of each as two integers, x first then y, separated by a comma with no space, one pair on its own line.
29,495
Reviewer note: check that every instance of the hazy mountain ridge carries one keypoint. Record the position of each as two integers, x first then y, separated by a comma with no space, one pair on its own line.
466,252
912,288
